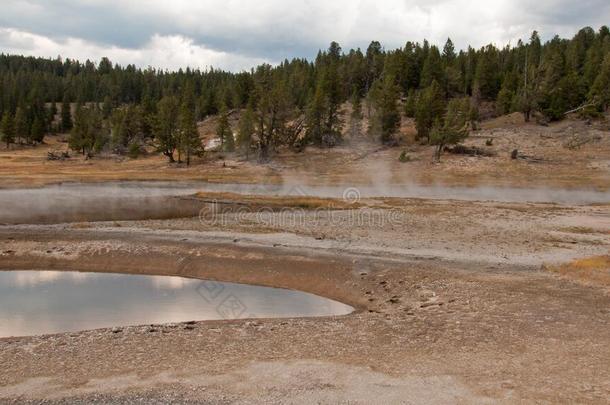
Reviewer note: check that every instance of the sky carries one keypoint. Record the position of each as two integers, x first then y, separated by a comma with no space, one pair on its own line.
237,35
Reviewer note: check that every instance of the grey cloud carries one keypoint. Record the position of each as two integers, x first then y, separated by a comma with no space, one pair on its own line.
274,29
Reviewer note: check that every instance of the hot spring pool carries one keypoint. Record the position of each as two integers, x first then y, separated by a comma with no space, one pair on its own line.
45,302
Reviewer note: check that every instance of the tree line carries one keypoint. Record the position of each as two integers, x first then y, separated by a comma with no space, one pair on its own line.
106,105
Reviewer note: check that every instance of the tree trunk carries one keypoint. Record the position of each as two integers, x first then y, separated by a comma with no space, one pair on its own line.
170,156
439,150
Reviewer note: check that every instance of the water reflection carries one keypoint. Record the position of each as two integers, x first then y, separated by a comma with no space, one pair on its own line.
41,302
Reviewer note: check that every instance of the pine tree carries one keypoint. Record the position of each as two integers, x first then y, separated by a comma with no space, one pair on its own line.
246,131
38,130
535,50
454,127
430,107
190,142
7,127
411,104
165,127
66,114
127,125
314,118
449,52
22,127
506,96
330,82
486,78
356,105
386,117
273,110
88,131
107,107
600,91
224,132
432,69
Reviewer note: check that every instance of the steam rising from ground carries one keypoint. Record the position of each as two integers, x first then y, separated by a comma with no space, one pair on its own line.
154,200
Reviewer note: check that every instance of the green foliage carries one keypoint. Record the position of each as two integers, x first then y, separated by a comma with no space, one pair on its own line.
411,104
506,100
246,131
66,114
127,127
487,79
107,107
356,105
224,131
454,128
22,126
134,150
449,54
38,130
189,142
432,70
430,108
165,128
600,91
88,131
404,157
273,110
323,122
385,121
314,119
7,129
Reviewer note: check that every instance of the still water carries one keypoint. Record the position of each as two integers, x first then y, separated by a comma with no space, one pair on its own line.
43,302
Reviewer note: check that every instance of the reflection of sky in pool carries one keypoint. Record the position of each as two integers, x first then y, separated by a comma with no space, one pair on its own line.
40,302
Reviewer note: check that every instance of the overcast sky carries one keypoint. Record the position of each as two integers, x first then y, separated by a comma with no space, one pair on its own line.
237,35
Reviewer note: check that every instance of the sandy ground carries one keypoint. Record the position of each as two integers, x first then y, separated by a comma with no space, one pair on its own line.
456,301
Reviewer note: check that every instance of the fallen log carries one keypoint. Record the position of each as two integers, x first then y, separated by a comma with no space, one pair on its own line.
582,107
531,159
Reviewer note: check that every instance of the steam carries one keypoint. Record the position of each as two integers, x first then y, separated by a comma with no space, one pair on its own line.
75,202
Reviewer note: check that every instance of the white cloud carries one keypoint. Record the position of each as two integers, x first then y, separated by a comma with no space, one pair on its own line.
167,52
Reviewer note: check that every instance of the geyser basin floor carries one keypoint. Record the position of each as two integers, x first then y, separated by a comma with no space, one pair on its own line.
43,302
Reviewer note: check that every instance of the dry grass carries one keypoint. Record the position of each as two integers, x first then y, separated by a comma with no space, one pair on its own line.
277,202
583,230
81,225
28,166
592,270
